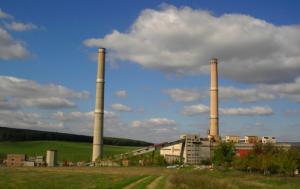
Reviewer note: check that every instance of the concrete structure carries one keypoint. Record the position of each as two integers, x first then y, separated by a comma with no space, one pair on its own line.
172,153
251,139
99,107
232,138
51,158
28,163
15,160
38,160
190,150
214,107
268,139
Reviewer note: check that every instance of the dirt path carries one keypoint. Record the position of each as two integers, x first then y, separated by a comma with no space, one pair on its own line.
154,183
132,185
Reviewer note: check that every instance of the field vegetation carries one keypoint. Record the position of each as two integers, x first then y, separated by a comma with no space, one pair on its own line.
139,178
70,151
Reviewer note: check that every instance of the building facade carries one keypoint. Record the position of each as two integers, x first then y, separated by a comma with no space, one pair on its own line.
192,150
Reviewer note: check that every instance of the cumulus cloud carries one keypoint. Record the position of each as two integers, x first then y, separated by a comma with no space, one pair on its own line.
256,110
19,26
49,103
121,93
19,119
154,122
182,40
82,123
245,95
17,92
183,95
5,15
121,108
11,48
193,110
289,90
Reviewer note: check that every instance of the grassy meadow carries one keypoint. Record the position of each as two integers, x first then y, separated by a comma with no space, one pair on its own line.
138,178
72,151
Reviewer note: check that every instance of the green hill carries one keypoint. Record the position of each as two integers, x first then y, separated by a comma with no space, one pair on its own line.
13,134
72,151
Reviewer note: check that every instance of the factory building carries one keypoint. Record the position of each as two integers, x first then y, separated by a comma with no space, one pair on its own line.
191,150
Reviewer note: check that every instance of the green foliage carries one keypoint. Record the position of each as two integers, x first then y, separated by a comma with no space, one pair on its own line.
224,154
269,159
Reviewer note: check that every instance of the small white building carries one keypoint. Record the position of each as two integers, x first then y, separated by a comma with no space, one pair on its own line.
232,138
268,139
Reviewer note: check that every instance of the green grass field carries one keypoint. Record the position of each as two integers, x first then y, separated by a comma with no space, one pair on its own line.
72,151
137,178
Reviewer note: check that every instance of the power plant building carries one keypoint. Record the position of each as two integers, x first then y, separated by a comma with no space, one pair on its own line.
191,150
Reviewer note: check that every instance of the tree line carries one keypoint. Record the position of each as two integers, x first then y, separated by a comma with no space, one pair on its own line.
13,134
265,158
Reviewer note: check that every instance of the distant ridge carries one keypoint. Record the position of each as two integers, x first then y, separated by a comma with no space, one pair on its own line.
14,134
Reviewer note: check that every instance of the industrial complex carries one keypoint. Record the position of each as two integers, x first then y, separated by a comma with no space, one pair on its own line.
190,148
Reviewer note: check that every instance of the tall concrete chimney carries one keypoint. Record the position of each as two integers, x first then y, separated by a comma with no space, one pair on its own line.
99,107
214,109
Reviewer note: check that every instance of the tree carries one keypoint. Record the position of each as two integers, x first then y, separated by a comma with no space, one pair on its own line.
224,154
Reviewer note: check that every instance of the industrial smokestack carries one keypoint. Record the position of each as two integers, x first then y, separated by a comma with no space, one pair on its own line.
214,109
99,107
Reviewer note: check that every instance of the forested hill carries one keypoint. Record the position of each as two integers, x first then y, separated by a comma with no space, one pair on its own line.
12,134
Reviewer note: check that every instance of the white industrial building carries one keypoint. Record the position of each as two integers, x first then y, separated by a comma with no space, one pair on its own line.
190,150
268,139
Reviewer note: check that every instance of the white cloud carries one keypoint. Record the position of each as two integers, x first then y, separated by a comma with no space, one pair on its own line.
154,122
23,120
159,129
245,95
5,15
285,90
11,48
121,94
183,95
198,109
121,108
49,103
16,92
256,110
19,26
182,40
195,109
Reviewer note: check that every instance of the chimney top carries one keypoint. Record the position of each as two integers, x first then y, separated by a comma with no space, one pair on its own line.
214,61
101,50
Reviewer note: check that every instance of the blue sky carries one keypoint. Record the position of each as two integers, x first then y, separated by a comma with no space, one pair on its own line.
157,58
